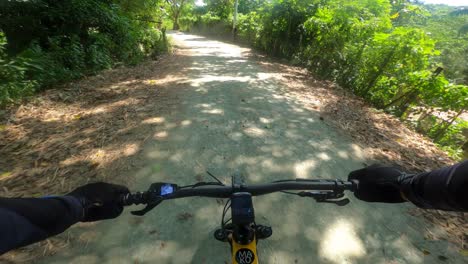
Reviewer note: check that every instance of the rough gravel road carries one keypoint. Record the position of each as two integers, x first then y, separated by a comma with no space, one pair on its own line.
229,115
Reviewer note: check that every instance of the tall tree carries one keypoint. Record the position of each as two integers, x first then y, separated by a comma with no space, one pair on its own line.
176,8
220,8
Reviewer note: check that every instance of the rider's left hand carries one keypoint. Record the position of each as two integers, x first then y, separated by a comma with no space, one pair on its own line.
100,200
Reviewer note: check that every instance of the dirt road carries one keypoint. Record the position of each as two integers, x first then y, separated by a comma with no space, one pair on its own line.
225,113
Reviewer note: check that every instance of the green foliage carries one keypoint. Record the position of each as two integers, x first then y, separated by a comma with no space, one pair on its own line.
220,8
250,27
45,42
390,53
395,63
453,138
13,76
247,6
404,13
447,29
210,19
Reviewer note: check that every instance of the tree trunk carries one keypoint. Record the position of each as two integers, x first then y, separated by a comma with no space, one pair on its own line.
361,50
300,43
397,99
234,20
406,103
175,25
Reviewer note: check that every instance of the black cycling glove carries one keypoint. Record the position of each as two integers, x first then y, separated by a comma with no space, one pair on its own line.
379,184
100,200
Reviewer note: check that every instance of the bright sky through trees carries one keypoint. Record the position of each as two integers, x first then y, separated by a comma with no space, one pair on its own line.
447,2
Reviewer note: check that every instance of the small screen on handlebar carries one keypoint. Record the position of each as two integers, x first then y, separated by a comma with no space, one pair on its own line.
167,189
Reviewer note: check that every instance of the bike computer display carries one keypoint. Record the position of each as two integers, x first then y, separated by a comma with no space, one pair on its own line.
167,189
163,188
242,208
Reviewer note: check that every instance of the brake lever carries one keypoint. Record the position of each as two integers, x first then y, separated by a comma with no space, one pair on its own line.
326,197
148,208
341,202
321,195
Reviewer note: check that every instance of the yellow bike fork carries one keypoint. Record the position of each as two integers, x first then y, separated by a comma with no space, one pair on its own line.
244,254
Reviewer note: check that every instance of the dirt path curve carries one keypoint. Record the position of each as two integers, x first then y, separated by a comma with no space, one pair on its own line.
225,114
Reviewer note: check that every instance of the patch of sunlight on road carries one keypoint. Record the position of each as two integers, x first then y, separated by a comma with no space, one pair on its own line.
212,78
264,75
323,156
357,151
154,120
160,135
266,120
255,132
215,111
343,154
340,243
186,123
130,149
303,168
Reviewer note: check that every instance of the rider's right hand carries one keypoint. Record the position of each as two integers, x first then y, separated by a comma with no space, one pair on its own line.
378,184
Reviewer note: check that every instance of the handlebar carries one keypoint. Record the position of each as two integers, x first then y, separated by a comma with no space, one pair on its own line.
152,197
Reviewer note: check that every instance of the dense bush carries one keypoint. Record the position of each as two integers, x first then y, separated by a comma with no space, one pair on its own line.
44,42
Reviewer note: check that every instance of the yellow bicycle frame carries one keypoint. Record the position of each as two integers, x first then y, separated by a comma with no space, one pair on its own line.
244,254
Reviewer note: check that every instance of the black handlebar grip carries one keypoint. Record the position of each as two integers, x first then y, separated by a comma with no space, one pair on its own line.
133,198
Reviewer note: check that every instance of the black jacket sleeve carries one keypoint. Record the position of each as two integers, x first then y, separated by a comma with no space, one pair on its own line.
443,189
24,221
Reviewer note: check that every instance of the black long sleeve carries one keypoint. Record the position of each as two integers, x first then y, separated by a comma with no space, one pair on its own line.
443,189
24,221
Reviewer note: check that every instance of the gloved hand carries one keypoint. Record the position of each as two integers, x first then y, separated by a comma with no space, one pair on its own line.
100,200
378,184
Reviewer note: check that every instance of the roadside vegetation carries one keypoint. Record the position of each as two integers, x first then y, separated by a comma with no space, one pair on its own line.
46,42
405,58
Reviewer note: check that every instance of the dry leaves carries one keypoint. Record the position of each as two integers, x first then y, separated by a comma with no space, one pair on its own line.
89,130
